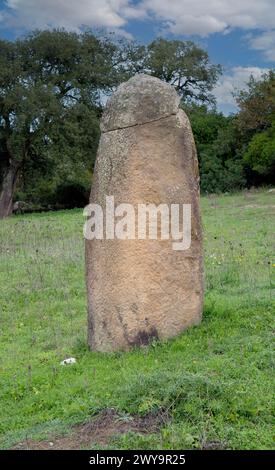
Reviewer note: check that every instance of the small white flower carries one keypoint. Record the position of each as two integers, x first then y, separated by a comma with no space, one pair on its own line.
70,360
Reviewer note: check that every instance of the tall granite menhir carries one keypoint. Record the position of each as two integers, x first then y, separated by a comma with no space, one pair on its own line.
143,289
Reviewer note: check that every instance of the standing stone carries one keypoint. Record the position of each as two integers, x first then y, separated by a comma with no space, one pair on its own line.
143,289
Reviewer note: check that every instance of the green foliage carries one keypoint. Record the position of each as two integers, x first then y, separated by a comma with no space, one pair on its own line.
260,153
70,195
215,381
257,105
237,151
221,168
185,66
205,123
255,129
55,193
45,88
51,85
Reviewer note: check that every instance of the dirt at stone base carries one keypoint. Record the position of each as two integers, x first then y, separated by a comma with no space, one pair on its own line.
99,430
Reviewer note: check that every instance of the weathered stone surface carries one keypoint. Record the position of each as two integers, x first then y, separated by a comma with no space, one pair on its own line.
141,289
134,104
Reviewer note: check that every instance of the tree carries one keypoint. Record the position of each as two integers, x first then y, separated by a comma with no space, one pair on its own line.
206,123
185,66
255,128
216,139
260,153
50,88
221,164
257,105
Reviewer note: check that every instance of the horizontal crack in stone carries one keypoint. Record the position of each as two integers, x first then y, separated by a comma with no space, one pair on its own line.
139,123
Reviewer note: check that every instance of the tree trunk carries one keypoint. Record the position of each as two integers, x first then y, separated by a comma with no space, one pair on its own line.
8,188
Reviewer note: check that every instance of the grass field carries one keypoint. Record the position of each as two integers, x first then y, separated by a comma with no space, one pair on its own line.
214,382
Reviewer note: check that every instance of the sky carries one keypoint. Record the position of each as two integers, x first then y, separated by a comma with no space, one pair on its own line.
238,34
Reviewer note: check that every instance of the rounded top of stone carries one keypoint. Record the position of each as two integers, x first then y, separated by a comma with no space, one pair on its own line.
141,99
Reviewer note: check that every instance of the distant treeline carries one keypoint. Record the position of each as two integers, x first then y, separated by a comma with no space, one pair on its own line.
53,83
237,151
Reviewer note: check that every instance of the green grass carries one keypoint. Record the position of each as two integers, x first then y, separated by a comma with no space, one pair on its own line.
215,379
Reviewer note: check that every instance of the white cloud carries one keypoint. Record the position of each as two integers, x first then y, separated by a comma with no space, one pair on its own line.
205,17
265,43
179,17
199,17
69,14
236,79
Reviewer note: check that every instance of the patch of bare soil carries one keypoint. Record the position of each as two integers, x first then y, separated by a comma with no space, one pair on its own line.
214,445
99,430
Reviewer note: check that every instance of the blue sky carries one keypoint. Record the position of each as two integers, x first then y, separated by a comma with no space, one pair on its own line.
239,34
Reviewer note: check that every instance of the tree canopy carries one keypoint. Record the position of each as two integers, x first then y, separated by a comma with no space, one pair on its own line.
185,66
51,88
50,85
